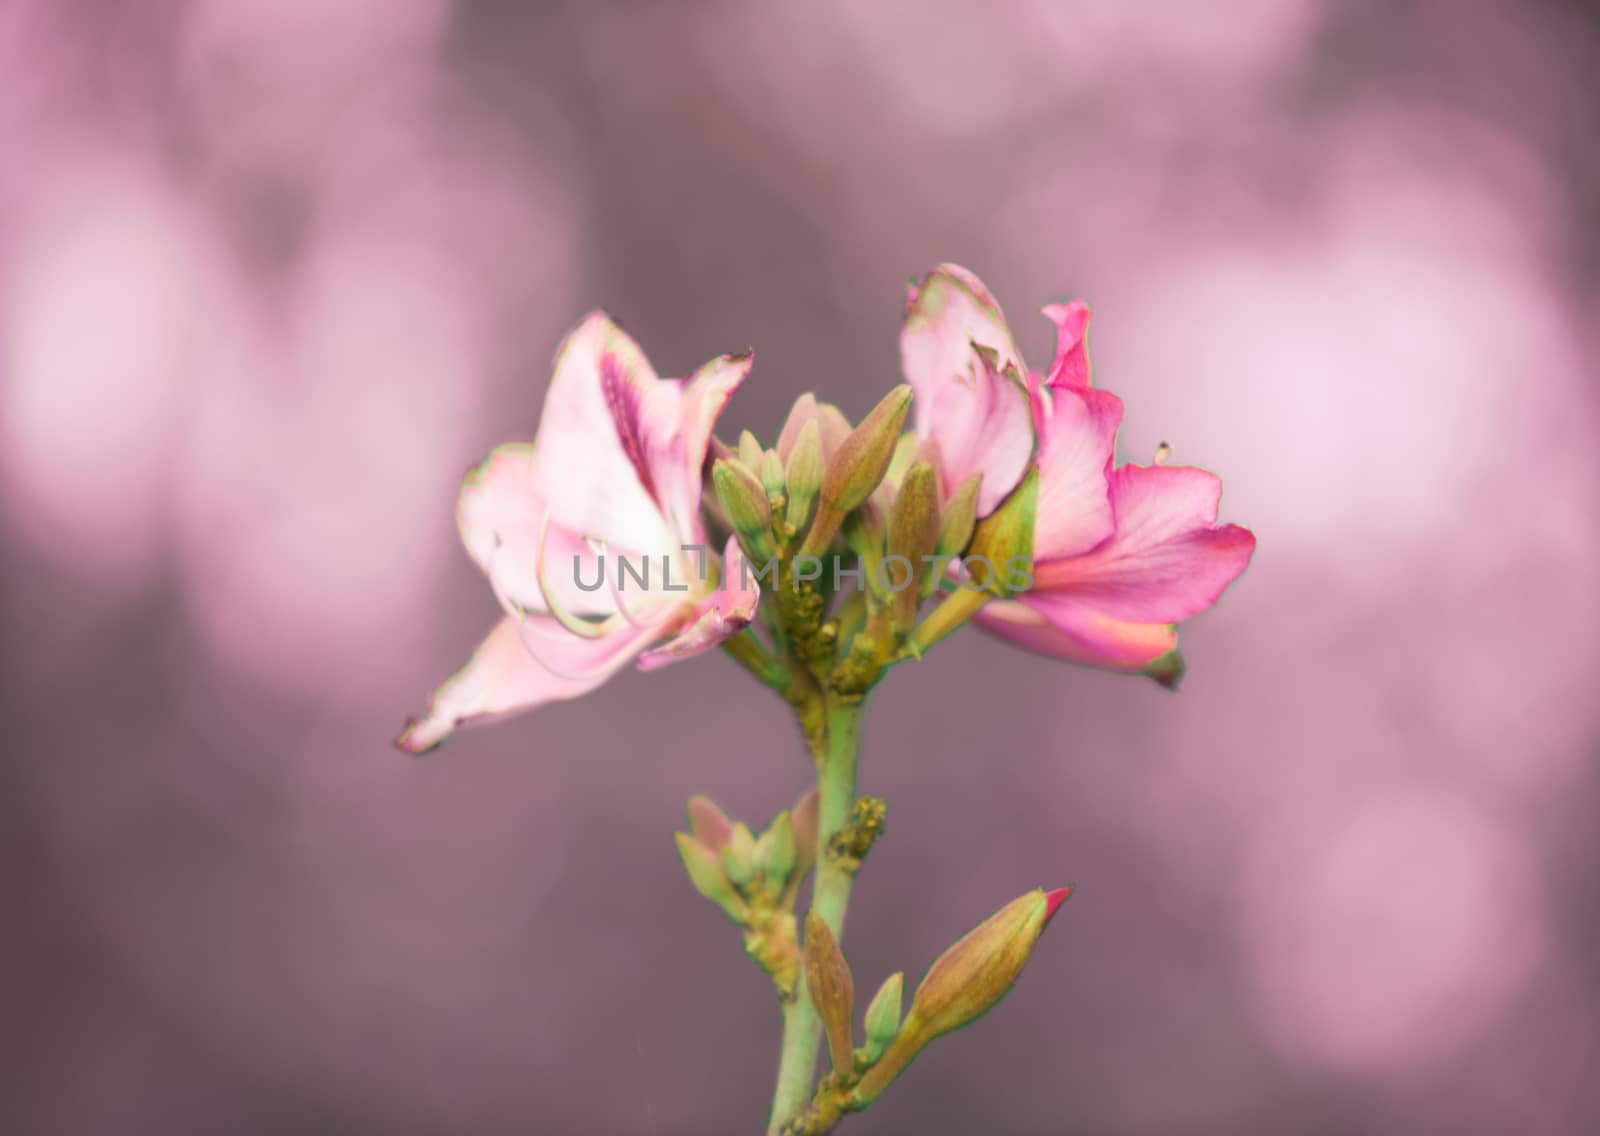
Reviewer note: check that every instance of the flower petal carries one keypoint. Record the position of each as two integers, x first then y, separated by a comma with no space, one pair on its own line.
1071,364
720,613
500,679
1064,630
604,414
1168,559
677,460
1077,434
501,515
959,357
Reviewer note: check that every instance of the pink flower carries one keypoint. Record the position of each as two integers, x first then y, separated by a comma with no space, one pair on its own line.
591,537
971,405
1121,555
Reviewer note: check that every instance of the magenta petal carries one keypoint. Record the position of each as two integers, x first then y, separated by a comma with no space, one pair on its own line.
1063,630
1071,364
1077,433
1168,560
720,614
500,679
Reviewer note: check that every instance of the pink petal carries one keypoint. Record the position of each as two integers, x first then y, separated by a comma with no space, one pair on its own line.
978,411
1071,364
1077,433
604,414
500,679
1067,631
500,516
678,460
724,612
1168,559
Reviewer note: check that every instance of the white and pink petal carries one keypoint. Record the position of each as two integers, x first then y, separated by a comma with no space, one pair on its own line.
500,680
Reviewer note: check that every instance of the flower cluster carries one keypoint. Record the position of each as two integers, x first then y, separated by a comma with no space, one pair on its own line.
1002,504
978,491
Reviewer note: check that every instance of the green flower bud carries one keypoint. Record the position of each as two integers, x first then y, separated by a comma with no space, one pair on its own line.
772,474
857,466
803,477
803,819
832,991
966,982
744,503
705,872
775,853
913,529
749,451
960,515
739,855
883,1016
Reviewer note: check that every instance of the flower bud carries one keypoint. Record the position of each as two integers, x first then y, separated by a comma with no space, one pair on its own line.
883,1016
705,872
913,529
801,415
744,503
966,982
775,853
709,824
857,466
959,517
749,451
739,855
1005,537
832,991
803,819
772,474
803,476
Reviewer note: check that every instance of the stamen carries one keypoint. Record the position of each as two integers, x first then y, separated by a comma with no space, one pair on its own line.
1163,452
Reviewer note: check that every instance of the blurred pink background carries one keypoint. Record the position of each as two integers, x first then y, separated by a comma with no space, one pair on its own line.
273,275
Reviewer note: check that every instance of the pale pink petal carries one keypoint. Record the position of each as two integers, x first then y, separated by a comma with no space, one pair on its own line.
953,304
1064,630
499,680
607,649
677,461
971,400
719,614
1168,559
1071,364
1077,433
501,516
603,415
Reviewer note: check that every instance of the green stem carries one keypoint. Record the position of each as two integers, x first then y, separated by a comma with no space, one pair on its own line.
830,895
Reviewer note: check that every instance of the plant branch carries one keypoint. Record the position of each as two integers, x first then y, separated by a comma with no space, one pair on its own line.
836,758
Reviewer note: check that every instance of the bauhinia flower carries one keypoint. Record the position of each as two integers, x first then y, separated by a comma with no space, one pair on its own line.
592,537
1121,554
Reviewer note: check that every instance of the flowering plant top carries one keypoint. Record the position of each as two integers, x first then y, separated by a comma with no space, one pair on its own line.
980,491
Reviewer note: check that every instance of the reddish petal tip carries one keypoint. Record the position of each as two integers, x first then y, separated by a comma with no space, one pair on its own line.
1052,901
